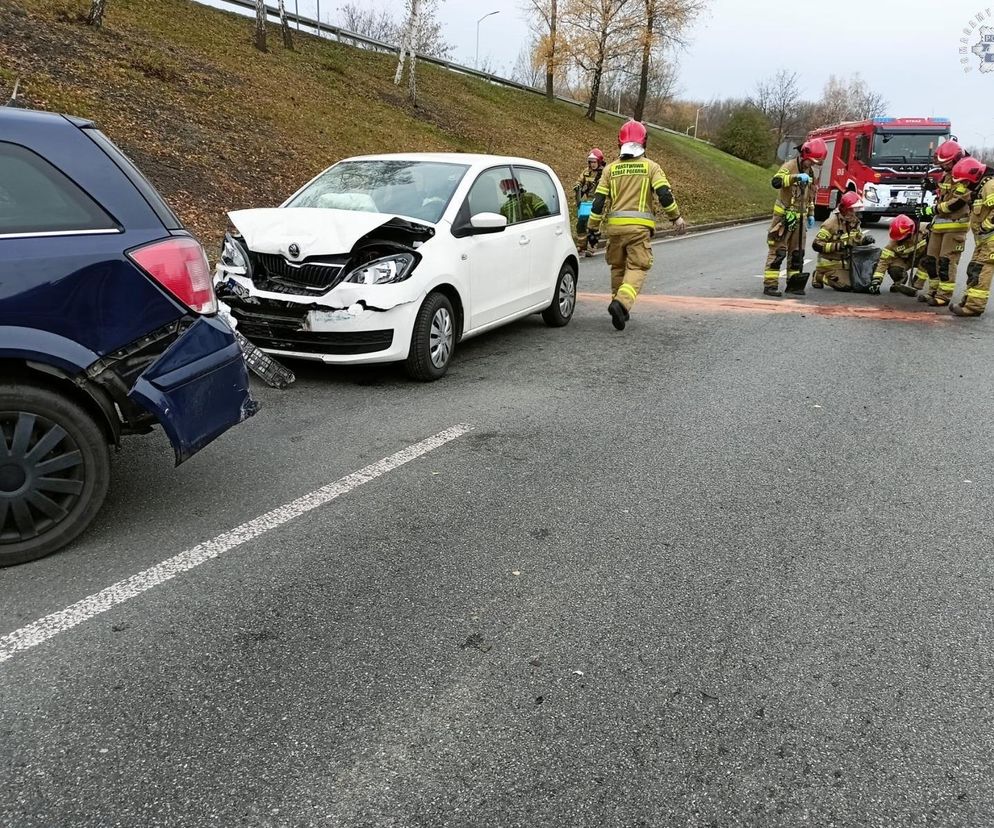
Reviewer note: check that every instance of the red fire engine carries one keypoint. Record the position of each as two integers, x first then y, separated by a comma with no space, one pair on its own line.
885,160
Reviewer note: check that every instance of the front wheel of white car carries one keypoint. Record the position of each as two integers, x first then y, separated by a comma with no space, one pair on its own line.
563,304
433,340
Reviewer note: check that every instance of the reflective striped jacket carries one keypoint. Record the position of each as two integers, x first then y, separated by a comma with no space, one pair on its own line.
791,195
901,253
982,220
952,206
837,233
630,183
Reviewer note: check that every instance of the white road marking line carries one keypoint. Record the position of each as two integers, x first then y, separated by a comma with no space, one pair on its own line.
58,622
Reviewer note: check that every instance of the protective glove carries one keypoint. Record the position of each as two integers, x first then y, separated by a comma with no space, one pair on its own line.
593,237
874,287
925,211
790,218
802,178
680,226
868,239
811,222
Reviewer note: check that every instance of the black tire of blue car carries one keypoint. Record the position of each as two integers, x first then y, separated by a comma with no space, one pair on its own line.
563,304
433,340
54,471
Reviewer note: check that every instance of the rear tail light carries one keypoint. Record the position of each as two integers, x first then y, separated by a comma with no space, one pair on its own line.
180,265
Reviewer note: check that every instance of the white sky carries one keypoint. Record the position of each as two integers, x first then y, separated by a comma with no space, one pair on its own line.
908,51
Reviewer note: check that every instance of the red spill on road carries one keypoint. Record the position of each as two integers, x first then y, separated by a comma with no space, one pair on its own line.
714,304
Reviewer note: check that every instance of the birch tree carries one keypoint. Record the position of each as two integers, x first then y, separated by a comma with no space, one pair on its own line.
285,26
260,25
95,16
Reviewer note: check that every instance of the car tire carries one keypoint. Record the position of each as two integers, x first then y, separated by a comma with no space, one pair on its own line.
49,499
563,304
433,340
822,213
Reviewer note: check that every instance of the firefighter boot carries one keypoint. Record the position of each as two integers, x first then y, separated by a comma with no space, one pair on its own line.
619,316
907,290
959,310
796,283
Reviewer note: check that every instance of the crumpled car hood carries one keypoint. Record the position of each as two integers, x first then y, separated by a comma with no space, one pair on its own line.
315,230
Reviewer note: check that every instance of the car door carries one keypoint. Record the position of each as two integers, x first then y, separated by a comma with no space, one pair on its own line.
496,262
545,230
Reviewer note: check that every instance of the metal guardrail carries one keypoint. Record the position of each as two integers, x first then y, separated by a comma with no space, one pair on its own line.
354,38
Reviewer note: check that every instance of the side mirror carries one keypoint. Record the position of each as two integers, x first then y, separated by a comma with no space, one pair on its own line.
487,223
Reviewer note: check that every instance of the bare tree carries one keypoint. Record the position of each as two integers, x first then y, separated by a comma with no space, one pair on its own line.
95,17
428,38
545,24
527,69
662,25
849,99
778,99
407,53
601,35
376,24
285,26
260,25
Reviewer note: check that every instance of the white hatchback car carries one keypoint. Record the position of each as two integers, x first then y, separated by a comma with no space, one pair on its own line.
399,257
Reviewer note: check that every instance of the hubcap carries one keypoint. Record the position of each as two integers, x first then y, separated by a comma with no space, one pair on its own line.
41,475
567,294
440,338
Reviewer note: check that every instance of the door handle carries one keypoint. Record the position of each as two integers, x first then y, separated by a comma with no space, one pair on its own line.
559,231
524,240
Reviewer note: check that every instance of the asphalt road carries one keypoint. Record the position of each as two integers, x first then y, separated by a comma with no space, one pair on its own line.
730,567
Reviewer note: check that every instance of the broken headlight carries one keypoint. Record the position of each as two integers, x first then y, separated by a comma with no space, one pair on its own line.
234,256
383,271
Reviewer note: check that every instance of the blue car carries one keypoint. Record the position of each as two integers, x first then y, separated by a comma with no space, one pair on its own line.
108,326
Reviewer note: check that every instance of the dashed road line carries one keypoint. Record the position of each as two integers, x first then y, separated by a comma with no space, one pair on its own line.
50,626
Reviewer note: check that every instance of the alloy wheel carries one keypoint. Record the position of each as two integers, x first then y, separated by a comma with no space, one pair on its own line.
440,337
567,294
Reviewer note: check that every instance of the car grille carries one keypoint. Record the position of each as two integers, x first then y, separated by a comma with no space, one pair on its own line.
281,329
308,277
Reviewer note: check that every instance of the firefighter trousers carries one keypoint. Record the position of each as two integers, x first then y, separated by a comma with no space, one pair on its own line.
629,255
940,262
581,234
784,243
832,272
979,273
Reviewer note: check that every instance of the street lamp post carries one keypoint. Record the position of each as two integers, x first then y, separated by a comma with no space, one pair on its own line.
476,63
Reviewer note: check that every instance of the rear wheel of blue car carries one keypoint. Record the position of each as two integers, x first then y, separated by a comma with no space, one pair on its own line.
54,471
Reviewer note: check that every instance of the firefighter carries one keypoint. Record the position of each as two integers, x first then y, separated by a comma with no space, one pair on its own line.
584,190
792,214
629,182
521,205
980,270
950,221
836,237
897,259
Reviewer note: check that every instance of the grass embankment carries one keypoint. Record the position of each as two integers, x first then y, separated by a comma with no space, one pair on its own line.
217,126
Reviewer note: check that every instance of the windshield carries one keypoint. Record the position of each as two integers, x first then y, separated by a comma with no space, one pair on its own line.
418,189
906,146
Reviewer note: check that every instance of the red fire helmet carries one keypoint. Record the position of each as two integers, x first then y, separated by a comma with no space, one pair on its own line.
848,201
948,153
510,186
902,227
596,155
969,169
814,150
633,133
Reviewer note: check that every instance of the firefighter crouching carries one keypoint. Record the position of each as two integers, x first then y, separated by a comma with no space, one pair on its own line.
584,189
898,258
836,237
950,216
630,182
980,178
792,215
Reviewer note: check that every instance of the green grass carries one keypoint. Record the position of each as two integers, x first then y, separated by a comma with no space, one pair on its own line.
218,126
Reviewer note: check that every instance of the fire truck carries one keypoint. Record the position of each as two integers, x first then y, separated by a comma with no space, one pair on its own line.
885,160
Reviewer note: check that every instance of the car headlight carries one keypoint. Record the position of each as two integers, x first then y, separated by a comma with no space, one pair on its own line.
870,193
234,256
383,271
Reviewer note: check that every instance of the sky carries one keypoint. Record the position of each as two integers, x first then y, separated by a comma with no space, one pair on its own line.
909,52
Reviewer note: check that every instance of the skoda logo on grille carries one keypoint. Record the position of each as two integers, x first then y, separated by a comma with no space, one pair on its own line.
294,250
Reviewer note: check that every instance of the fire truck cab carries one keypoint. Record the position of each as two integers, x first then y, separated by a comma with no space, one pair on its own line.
884,160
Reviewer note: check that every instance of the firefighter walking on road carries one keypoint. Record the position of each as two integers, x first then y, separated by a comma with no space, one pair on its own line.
950,215
903,251
792,216
584,189
629,183
836,238
979,272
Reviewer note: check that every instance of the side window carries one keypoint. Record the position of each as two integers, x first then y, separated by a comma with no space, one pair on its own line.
485,195
863,149
541,186
36,198
846,147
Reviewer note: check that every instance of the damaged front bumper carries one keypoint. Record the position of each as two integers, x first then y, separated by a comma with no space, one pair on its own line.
352,323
